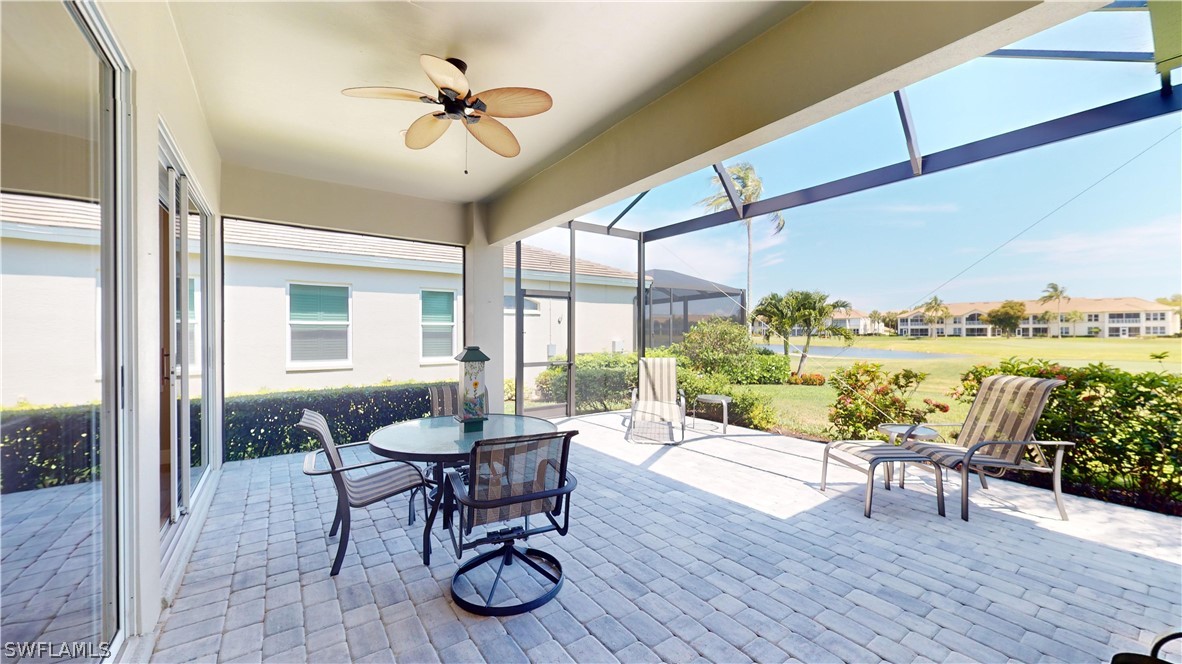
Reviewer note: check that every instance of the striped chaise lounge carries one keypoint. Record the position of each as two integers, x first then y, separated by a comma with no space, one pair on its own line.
994,438
657,404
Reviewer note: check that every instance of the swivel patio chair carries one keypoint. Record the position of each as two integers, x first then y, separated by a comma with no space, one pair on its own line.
1154,656
657,404
511,478
358,490
994,438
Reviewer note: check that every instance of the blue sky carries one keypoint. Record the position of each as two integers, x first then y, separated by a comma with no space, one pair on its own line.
890,247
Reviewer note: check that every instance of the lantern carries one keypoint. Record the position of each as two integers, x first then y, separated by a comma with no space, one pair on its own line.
474,395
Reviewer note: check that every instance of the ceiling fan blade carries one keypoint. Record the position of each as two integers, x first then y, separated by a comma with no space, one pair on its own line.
445,75
425,131
399,94
514,102
495,136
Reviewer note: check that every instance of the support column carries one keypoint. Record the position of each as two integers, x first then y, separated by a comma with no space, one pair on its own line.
484,301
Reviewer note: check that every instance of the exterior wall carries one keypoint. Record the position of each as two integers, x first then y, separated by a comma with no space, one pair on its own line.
384,325
49,348
1109,328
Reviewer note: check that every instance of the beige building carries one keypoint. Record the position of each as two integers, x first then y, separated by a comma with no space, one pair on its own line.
858,322
1106,317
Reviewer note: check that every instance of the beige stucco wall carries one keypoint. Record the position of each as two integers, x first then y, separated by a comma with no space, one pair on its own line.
49,347
384,325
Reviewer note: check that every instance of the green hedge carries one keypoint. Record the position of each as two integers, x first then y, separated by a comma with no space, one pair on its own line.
263,425
45,447
1127,430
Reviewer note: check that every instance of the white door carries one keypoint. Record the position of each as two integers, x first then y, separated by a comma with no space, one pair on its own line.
1124,333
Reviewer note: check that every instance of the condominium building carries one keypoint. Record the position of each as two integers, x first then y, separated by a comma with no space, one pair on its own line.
858,322
1107,317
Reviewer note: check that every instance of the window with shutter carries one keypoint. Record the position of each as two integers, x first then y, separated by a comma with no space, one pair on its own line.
438,317
318,324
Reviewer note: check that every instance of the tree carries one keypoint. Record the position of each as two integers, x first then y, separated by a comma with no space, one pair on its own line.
1073,317
875,317
1174,300
935,311
749,188
812,312
1006,317
1055,293
890,320
772,311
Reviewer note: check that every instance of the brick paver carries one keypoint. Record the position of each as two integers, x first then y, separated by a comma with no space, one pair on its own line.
721,549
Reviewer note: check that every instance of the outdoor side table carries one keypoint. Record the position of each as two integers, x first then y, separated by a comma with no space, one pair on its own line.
920,433
713,398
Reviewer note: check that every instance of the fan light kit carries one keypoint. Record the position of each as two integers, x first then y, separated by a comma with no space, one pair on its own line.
477,111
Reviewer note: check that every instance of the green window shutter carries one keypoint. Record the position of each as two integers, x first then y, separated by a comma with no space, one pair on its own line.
438,307
319,304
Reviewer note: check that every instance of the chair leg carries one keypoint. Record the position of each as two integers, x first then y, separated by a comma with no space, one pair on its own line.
824,466
343,545
984,484
410,508
964,491
1057,482
870,488
939,488
336,522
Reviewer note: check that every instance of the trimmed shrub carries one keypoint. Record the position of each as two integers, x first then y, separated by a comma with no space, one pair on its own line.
603,381
746,409
715,345
44,447
1127,430
868,396
263,425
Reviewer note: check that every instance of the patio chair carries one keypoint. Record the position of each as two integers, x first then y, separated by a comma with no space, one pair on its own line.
994,437
657,403
511,478
359,490
1154,656
445,399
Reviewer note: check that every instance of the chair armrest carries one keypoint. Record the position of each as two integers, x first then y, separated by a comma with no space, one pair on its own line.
360,442
968,455
311,469
1162,639
461,493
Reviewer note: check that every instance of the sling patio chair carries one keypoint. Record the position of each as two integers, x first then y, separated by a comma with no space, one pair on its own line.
510,479
994,438
657,404
358,490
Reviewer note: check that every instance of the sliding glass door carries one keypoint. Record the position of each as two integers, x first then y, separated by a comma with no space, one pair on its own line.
58,343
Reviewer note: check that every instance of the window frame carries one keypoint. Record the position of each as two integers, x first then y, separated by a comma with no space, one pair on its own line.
439,360
319,365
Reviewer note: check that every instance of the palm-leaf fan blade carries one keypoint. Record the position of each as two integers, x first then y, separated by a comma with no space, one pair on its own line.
514,102
426,130
445,75
495,136
397,94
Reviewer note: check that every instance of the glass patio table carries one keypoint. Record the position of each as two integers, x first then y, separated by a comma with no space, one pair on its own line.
442,441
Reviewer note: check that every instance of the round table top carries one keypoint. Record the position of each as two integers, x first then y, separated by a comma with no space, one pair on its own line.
713,398
920,433
443,438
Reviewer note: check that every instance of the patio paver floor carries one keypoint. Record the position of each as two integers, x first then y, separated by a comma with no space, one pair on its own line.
721,549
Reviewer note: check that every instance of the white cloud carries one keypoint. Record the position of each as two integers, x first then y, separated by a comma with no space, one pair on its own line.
1156,240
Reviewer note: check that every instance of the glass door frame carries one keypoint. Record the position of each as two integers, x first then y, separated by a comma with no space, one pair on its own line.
567,409
182,197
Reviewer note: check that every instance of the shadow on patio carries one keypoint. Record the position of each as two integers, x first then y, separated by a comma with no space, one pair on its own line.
720,549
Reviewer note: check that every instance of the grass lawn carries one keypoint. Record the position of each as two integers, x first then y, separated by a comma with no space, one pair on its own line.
806,409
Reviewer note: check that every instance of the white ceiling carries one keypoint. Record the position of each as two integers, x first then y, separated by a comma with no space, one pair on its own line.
270,75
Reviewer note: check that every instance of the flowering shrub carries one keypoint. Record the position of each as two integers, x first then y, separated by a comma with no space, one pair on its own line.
867,396
1127,430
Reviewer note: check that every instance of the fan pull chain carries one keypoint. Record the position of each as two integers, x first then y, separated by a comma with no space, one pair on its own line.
465,153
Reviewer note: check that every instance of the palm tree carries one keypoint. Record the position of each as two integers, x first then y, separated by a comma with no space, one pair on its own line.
749,188
772,311
1055,293
1073,317
875,316
812,312
935,311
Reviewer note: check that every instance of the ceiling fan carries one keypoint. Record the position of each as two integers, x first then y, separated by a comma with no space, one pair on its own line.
477,111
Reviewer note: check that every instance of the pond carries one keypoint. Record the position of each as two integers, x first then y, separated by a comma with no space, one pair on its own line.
855,352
